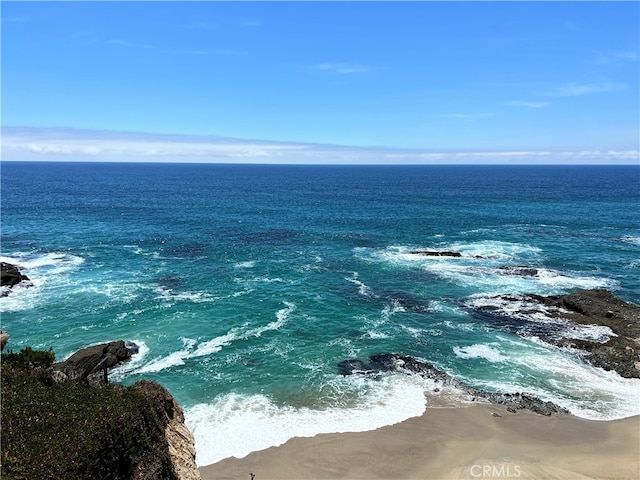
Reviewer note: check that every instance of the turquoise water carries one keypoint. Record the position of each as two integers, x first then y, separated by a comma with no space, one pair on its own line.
246,285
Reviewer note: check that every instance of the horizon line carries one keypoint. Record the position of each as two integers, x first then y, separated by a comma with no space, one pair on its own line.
56,144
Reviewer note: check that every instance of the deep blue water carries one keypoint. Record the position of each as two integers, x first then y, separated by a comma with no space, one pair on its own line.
246,284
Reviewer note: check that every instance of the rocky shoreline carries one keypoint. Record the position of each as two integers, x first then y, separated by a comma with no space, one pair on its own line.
601,328
10,276
394,362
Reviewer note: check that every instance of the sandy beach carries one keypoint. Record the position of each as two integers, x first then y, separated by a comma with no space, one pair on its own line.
465,442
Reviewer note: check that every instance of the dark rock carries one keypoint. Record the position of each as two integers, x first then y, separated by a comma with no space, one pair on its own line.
348,367
619,352
91,362
171,282
521,271
11,275
435,253
394,362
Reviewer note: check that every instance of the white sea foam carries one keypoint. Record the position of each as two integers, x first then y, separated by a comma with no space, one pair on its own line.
376,334
495,250
478,267
417,332
193,349
519,308
593,333
57,262
350,349
43,269
634,240
248,264
137,359
531,311
363,289
586,391
481,350
159,364
236,425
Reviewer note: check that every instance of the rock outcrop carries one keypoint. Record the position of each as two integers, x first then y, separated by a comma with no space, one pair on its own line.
10,276
568,319
435,253
4,339
180,440
394,362
520,271
621,352
92,363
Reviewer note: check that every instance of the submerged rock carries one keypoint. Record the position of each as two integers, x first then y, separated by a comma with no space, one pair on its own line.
395,362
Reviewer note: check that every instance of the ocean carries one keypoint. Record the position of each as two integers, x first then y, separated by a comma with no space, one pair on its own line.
245,285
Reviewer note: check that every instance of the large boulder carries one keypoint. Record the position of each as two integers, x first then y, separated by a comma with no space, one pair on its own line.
96,360
10,276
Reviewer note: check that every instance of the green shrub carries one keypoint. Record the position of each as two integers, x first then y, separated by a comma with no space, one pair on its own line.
27,358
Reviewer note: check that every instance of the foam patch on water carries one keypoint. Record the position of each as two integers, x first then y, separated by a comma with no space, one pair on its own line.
484,351
631,239
486,266
137,359
235,425
363,289
586,391
42,269
193,349
494,250
169,295
247,264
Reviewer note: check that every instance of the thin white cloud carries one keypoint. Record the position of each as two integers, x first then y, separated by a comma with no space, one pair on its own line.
580,89
47,144
527,104
617,57
341,68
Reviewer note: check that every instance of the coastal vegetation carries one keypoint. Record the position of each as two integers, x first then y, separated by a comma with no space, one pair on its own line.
72,430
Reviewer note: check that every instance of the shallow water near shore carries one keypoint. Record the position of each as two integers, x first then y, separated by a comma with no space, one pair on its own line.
244,286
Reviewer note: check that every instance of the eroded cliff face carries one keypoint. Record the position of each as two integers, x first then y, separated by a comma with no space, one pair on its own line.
180,440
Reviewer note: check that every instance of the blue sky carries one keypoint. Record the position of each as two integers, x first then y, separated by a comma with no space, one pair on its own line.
318,82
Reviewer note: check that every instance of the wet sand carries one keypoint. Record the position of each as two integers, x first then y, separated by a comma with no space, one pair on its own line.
464,442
